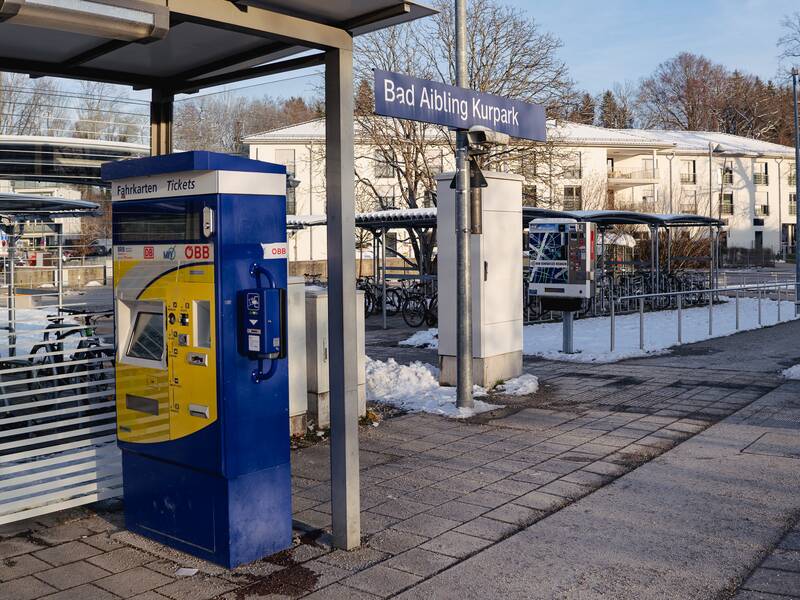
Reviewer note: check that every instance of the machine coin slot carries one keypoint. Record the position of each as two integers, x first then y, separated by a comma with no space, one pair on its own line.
261,323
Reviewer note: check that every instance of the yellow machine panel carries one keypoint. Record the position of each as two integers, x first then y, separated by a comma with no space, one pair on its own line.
166,350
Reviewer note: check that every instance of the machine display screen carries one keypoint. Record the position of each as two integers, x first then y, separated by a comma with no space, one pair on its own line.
167,221
548,253
147,341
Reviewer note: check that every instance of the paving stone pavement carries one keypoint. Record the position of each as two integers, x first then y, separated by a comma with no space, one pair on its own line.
778,576
434,491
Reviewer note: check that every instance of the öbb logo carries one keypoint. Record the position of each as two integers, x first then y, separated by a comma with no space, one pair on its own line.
197,252
278,251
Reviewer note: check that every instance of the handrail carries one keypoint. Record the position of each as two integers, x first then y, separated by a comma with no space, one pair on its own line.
633,174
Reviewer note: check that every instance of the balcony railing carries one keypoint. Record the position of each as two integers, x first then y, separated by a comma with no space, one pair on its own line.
762,210
793,208
727,178
645,206
792,178
690,178
760,178
726,208
572,204
633,174
689,208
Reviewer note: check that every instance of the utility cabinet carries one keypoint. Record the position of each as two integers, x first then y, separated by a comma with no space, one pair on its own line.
496,268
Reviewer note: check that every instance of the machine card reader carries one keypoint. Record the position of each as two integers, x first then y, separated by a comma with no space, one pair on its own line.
261,323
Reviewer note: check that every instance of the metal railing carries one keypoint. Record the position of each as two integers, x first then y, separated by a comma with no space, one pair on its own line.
688,177
761,178
762,210
712,297
57,416
633,174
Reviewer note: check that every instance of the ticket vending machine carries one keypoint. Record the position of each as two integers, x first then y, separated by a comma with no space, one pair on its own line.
200,278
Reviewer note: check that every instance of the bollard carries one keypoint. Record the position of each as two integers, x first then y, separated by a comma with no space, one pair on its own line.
737,310
779,304
613,323
680,322
641,323
710,313
568,332
759,307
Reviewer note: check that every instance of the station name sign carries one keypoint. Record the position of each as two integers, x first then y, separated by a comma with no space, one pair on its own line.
405,97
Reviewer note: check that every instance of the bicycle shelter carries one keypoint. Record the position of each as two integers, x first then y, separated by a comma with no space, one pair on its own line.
182,46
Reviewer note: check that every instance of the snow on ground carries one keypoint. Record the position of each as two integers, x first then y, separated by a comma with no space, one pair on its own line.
416,388
423,339
792,372
592,341
30,325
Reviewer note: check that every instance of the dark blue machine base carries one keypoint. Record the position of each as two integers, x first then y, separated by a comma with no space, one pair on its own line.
225,521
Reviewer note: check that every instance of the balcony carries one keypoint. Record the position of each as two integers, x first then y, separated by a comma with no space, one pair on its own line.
727,178
689,178
726,208
689,208
762,210
643,206
572,204
619,179
760,178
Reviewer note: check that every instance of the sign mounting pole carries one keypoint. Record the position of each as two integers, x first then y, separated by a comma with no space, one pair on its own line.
463,280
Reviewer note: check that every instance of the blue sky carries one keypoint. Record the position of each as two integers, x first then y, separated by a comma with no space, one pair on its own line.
617,40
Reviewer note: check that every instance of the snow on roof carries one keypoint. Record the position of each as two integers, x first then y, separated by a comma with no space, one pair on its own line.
578,134
697,141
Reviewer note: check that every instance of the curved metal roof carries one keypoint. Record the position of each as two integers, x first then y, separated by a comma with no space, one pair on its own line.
24,205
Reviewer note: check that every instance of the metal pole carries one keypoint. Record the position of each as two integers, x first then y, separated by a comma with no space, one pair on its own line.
383,278
779,162
759,306
778,289
342,338
567,332
670,156
60,268
463,291
795,74
12,299
613,325
710,312
710,180
737,309
641,323
680,320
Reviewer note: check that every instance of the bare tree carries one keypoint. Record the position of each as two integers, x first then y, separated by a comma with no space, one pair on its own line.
508,55
789,42
683,93
32,106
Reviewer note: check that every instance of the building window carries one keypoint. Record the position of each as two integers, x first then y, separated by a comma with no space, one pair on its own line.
391,244
758,241
688,172
726,173
384,168
387,202
761,173
689,202
572,170
286,158
726,203
572,197
291,200
762,204
792,204
792,178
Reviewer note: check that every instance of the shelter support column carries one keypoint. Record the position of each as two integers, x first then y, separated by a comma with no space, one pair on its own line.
161,118
339,170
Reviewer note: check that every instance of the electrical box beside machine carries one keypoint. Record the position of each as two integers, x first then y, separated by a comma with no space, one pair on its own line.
562,255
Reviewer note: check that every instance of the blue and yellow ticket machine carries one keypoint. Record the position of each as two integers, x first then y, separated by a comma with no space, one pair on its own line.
200,277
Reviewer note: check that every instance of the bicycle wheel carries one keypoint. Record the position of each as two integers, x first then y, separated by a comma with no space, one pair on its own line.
414,311
369,303
432,318
394,302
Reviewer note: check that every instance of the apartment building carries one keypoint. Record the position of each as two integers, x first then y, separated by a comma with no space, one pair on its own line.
749,184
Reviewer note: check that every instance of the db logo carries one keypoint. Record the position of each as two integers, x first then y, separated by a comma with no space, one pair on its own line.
149,253
202,252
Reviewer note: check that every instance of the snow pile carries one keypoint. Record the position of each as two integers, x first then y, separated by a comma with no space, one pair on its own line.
592,336
520,386
423,339
416,388
792,372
